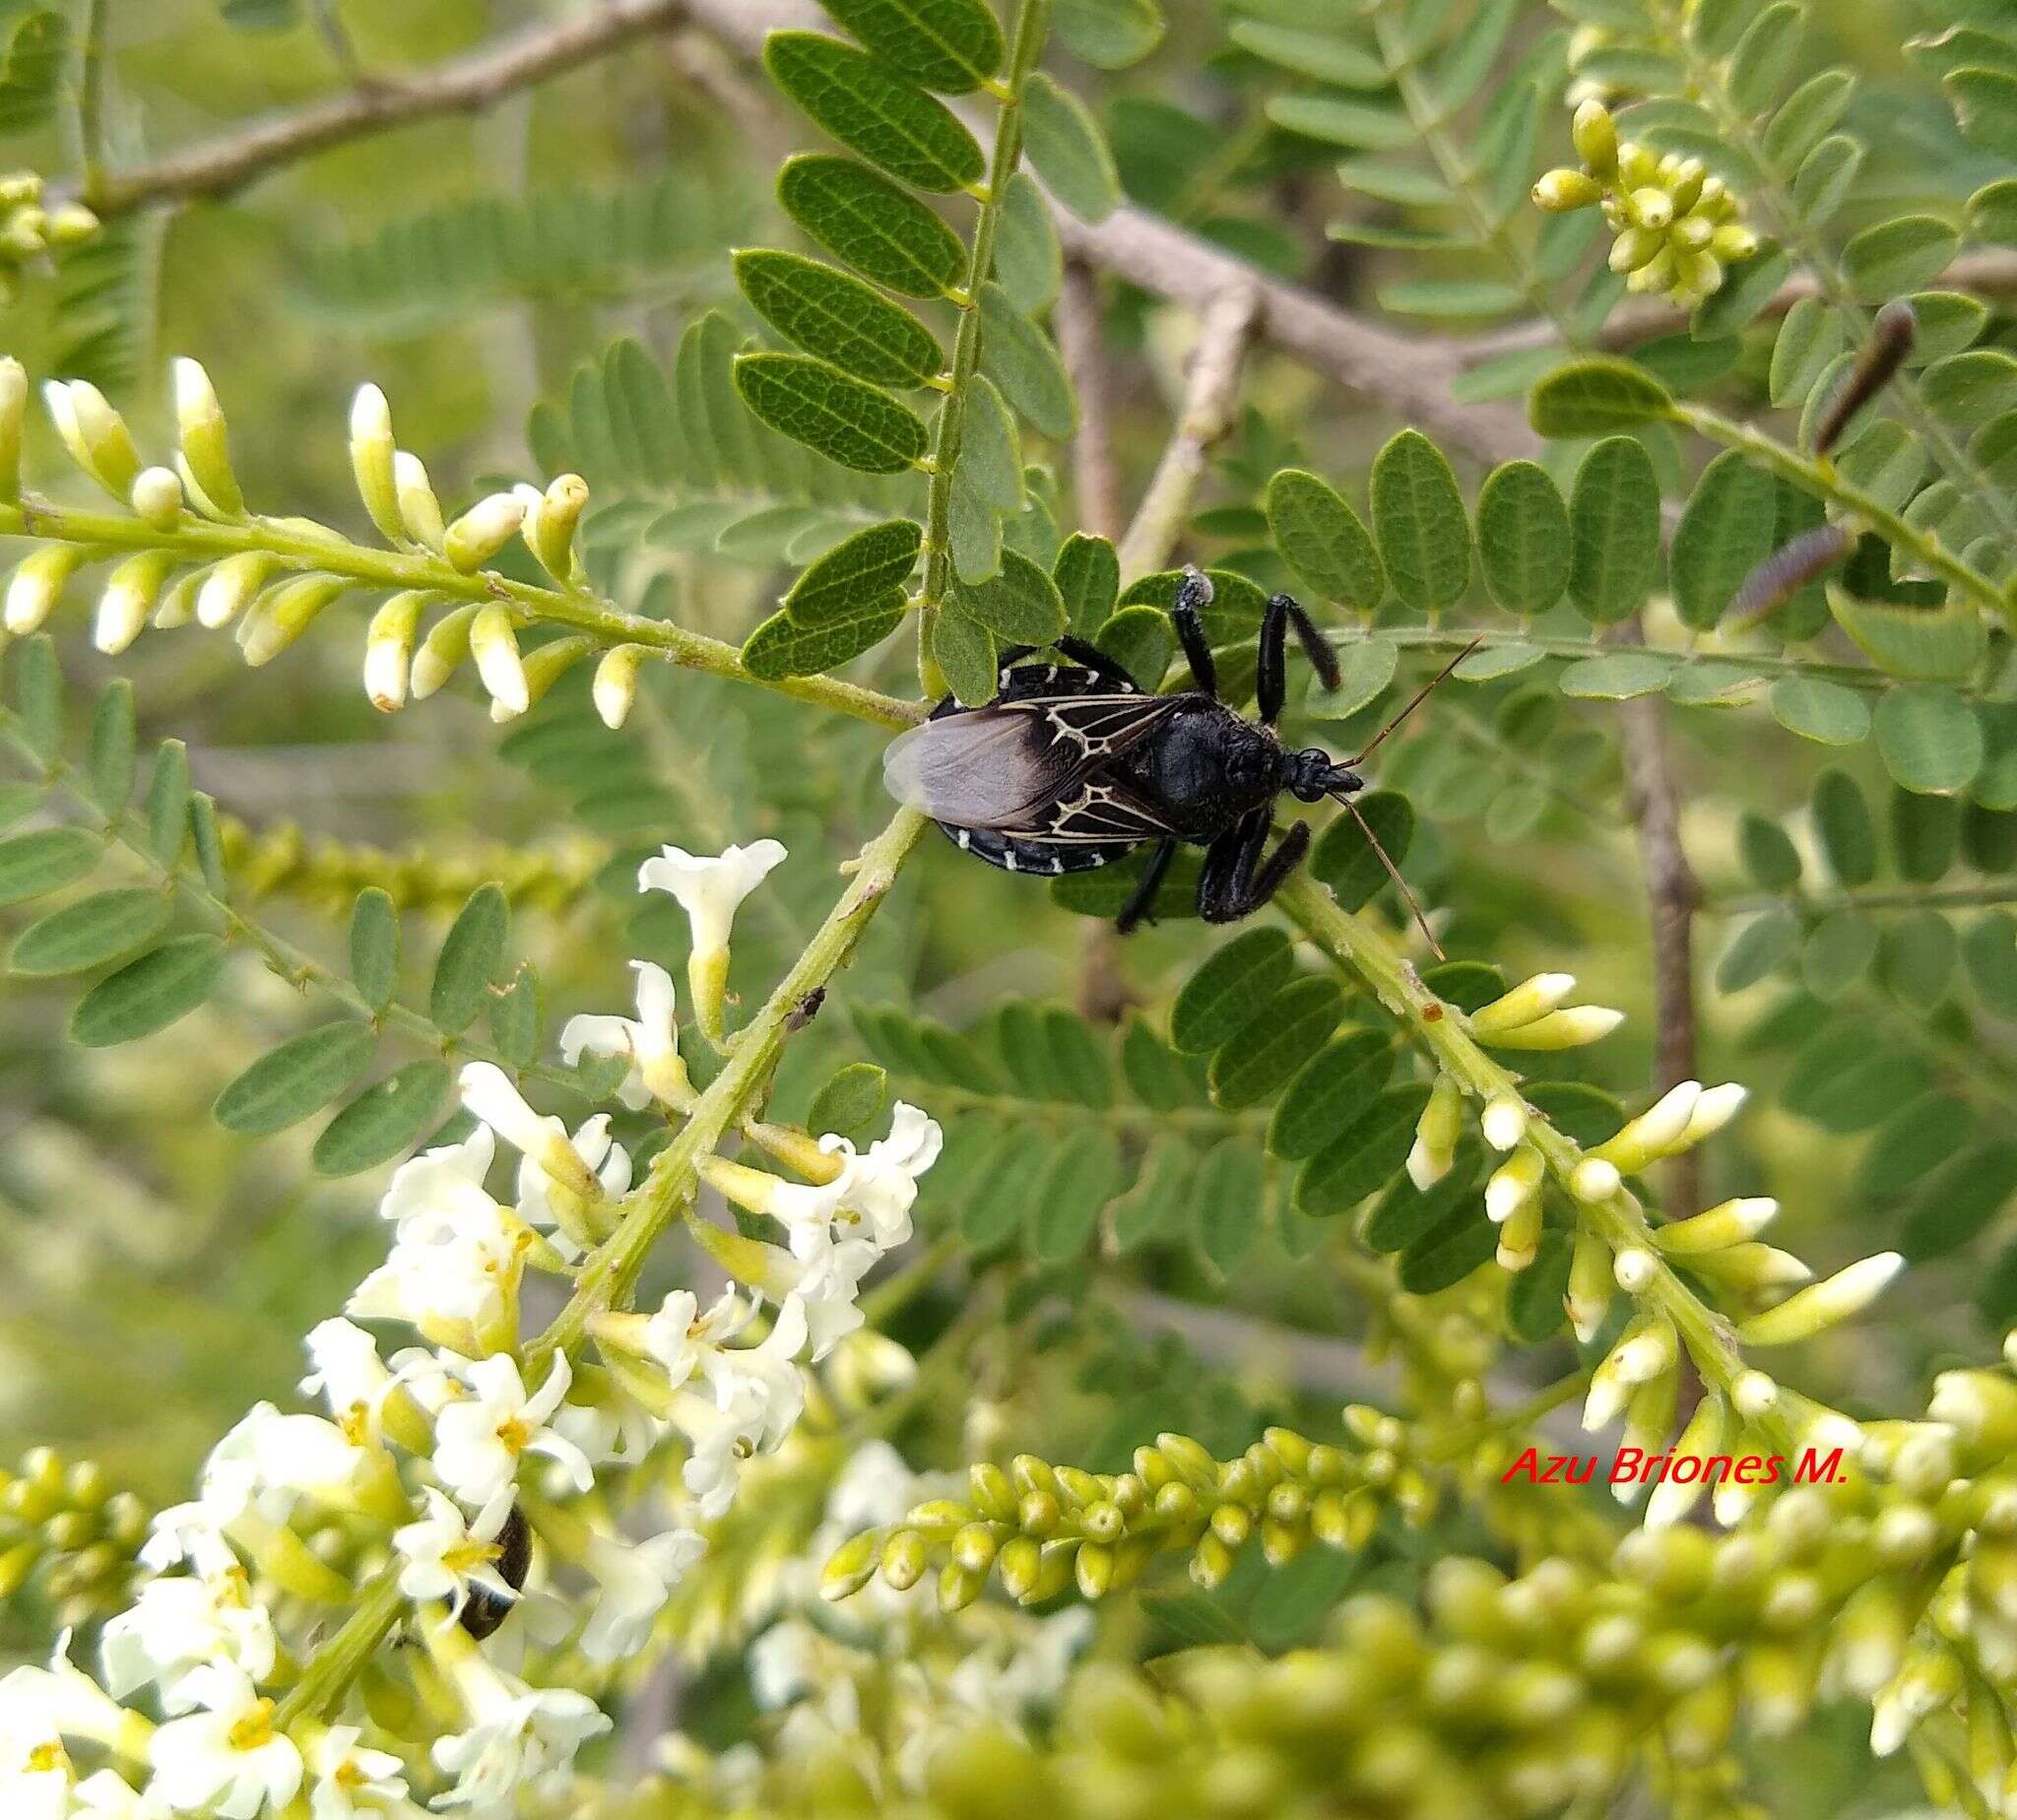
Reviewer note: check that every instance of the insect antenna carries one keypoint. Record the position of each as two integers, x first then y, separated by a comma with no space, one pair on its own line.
1393,872
1421,695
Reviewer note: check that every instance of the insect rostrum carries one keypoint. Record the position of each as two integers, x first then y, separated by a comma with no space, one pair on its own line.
1073,765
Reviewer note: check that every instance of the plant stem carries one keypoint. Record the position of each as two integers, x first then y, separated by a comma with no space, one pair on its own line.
339,1662
1951,897
608,1276
1357,946
198,540
1815,475
1032,23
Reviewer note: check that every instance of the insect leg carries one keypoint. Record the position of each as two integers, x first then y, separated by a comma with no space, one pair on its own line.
1193,592
1281,863
1272,682
1230,863
1143,899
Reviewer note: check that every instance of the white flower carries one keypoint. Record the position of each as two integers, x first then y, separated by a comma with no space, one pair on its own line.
233,1481
445,1554
478,1442
519,1733
759,1394
176,1625
451,1273
615,1428
227,1758
350,1376
296,1455
345,1775
636,1578
829,1284
38,1709
104,1795
679,1337
441,1186
711,891
601,1152
488,1092
650,1039
881,1187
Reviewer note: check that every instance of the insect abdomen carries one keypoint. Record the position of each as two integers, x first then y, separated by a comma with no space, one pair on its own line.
1045,860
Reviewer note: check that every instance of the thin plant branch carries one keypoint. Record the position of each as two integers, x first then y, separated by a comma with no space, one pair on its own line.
1096,481
1211,390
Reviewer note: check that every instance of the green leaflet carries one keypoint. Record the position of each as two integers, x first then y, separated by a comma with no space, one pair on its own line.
824,311
32,69
1765,55
1222,996
1020,359
1592,398
1029,264
1725,533
950,46
1986,106
168,802
1614,526
1362,1158
832,413
1418,519
1808,342
1928,738
1110,34
111,767
1819,710
39,694
1523,538
1768,853
88,933
1616,678
1329,1092
1141,641
1271,1046
1925,835
1225,1202
898,128
472,955
45,860
516,1018
855,574
1082,1175
1364,669
990,449
1089,577
374,947
973,528
867,221
783,646
1757,948
382,1120
850,1100
149,994
964,650
1926,644
1019,606
1898,256
302,1075
1347,864
1067,150
1324,541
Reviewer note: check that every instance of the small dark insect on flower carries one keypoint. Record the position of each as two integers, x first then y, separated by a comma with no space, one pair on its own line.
1072,766
484,1610
806,1008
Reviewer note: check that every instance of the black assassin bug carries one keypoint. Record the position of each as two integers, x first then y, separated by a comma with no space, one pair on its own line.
1072,766
484,1610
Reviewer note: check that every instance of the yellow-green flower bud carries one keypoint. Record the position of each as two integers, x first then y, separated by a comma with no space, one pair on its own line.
990,1491
1753,1265
1571,1028
1634,1270
283,612
128,597
1824,1304
94,434
495,648
1633,248
544,668
27,233
550,521
374,461
974,1547
1560,191
71,224
905,1559
204,455
1702,1437
179,605
1731,1222
441,651
1531,999
1095,1568
1515,1182
852,1566
1021,1565
1596,138
1436,1134
156,497
37,584
614,689
1503,1120
1650,209
959,1587
420,512
13,420
1210,1562
389,650
19,186
229,586
1594,1180
1588,1294
1931,1681
1653,1134
482,531
1732,242
1979,1405
1192,1463
1520,1236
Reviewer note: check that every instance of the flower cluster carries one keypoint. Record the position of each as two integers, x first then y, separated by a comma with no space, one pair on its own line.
442,1486
31,226
63,1527
1676,228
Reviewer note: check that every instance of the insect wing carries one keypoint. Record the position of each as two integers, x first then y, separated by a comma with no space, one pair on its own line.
1099,811
999,766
